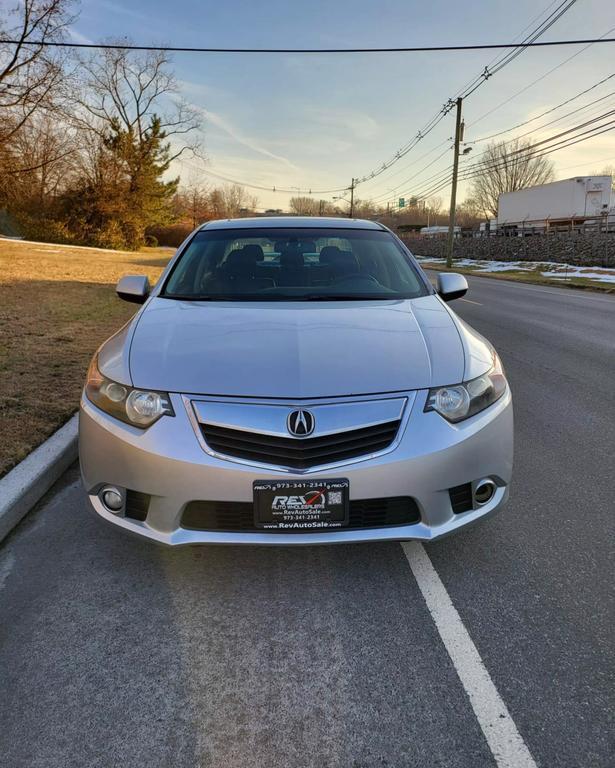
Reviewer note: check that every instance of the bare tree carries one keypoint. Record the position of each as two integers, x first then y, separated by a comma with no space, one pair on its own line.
608,170
42,164
365,209
304,206
127,105
127,91
231,201
236,201
506,167
468,213
433,208
192,203
29,74
217,204
198,204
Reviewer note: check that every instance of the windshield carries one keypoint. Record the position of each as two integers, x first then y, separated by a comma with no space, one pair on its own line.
293,265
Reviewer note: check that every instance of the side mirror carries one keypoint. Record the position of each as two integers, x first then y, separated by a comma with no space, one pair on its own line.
134,288
451,286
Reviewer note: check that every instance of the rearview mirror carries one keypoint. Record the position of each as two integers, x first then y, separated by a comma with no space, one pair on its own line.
134,288
451,285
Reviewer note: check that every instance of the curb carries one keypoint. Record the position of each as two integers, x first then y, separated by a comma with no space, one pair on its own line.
33,477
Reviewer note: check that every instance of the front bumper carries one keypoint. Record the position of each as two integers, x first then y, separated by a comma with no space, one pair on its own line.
167,462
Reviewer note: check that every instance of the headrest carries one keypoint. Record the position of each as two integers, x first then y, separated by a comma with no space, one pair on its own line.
341,261
244,257
328,253
292,259
254,251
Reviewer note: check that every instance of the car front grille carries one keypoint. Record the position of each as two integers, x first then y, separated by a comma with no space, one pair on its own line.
300,453
238,517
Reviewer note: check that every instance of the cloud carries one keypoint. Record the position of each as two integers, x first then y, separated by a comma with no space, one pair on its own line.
351,123
78,37
201,90
122,10
224,125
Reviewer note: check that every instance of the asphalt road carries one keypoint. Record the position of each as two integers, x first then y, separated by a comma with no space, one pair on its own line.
114,652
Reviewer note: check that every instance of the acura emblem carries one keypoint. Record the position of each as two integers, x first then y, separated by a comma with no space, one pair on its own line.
300,423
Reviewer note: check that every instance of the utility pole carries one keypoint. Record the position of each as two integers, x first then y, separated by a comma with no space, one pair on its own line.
451,221
352,185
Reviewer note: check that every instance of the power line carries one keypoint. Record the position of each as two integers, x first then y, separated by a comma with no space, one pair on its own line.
479,163
404,168
519,36
531,153
542,114
571,141
528,41
538,80
517,48
272,188
443,180
401,184
563,117
400,49
546,112
546,25
384,196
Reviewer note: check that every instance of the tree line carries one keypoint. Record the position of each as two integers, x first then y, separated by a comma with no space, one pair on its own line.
87,140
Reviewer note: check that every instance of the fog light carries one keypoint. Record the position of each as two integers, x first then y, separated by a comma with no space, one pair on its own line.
484,492
112,499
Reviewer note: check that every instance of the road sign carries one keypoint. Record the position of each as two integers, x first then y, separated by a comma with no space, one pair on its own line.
402,202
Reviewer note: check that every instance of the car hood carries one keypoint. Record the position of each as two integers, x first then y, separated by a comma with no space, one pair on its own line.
295,350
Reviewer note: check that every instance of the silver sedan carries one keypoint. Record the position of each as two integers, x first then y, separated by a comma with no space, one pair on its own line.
295,381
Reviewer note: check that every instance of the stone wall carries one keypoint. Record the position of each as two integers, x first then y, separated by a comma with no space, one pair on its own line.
595,249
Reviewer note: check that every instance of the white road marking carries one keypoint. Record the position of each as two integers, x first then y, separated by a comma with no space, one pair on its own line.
469,301
498,727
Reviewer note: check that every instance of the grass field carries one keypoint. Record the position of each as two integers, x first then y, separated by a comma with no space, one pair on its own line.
57,304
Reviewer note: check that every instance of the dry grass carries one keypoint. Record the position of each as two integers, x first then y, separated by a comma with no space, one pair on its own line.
57,304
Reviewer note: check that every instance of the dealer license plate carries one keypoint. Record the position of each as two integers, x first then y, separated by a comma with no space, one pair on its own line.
301,505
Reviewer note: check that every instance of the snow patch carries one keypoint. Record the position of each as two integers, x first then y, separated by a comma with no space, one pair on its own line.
555,270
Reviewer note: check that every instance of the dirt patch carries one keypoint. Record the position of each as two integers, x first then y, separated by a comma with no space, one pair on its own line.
57,305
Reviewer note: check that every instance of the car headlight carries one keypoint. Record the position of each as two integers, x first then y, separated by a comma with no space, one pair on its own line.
460,401
138,407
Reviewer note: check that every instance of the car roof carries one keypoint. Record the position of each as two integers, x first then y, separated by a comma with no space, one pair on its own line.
301,222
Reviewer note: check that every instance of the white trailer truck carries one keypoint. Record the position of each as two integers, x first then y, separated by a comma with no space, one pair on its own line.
567,203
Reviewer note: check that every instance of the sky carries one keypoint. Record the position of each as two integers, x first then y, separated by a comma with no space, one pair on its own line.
315,122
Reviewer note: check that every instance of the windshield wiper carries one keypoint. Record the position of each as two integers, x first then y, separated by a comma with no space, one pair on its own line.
280,297
198,297
343,297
